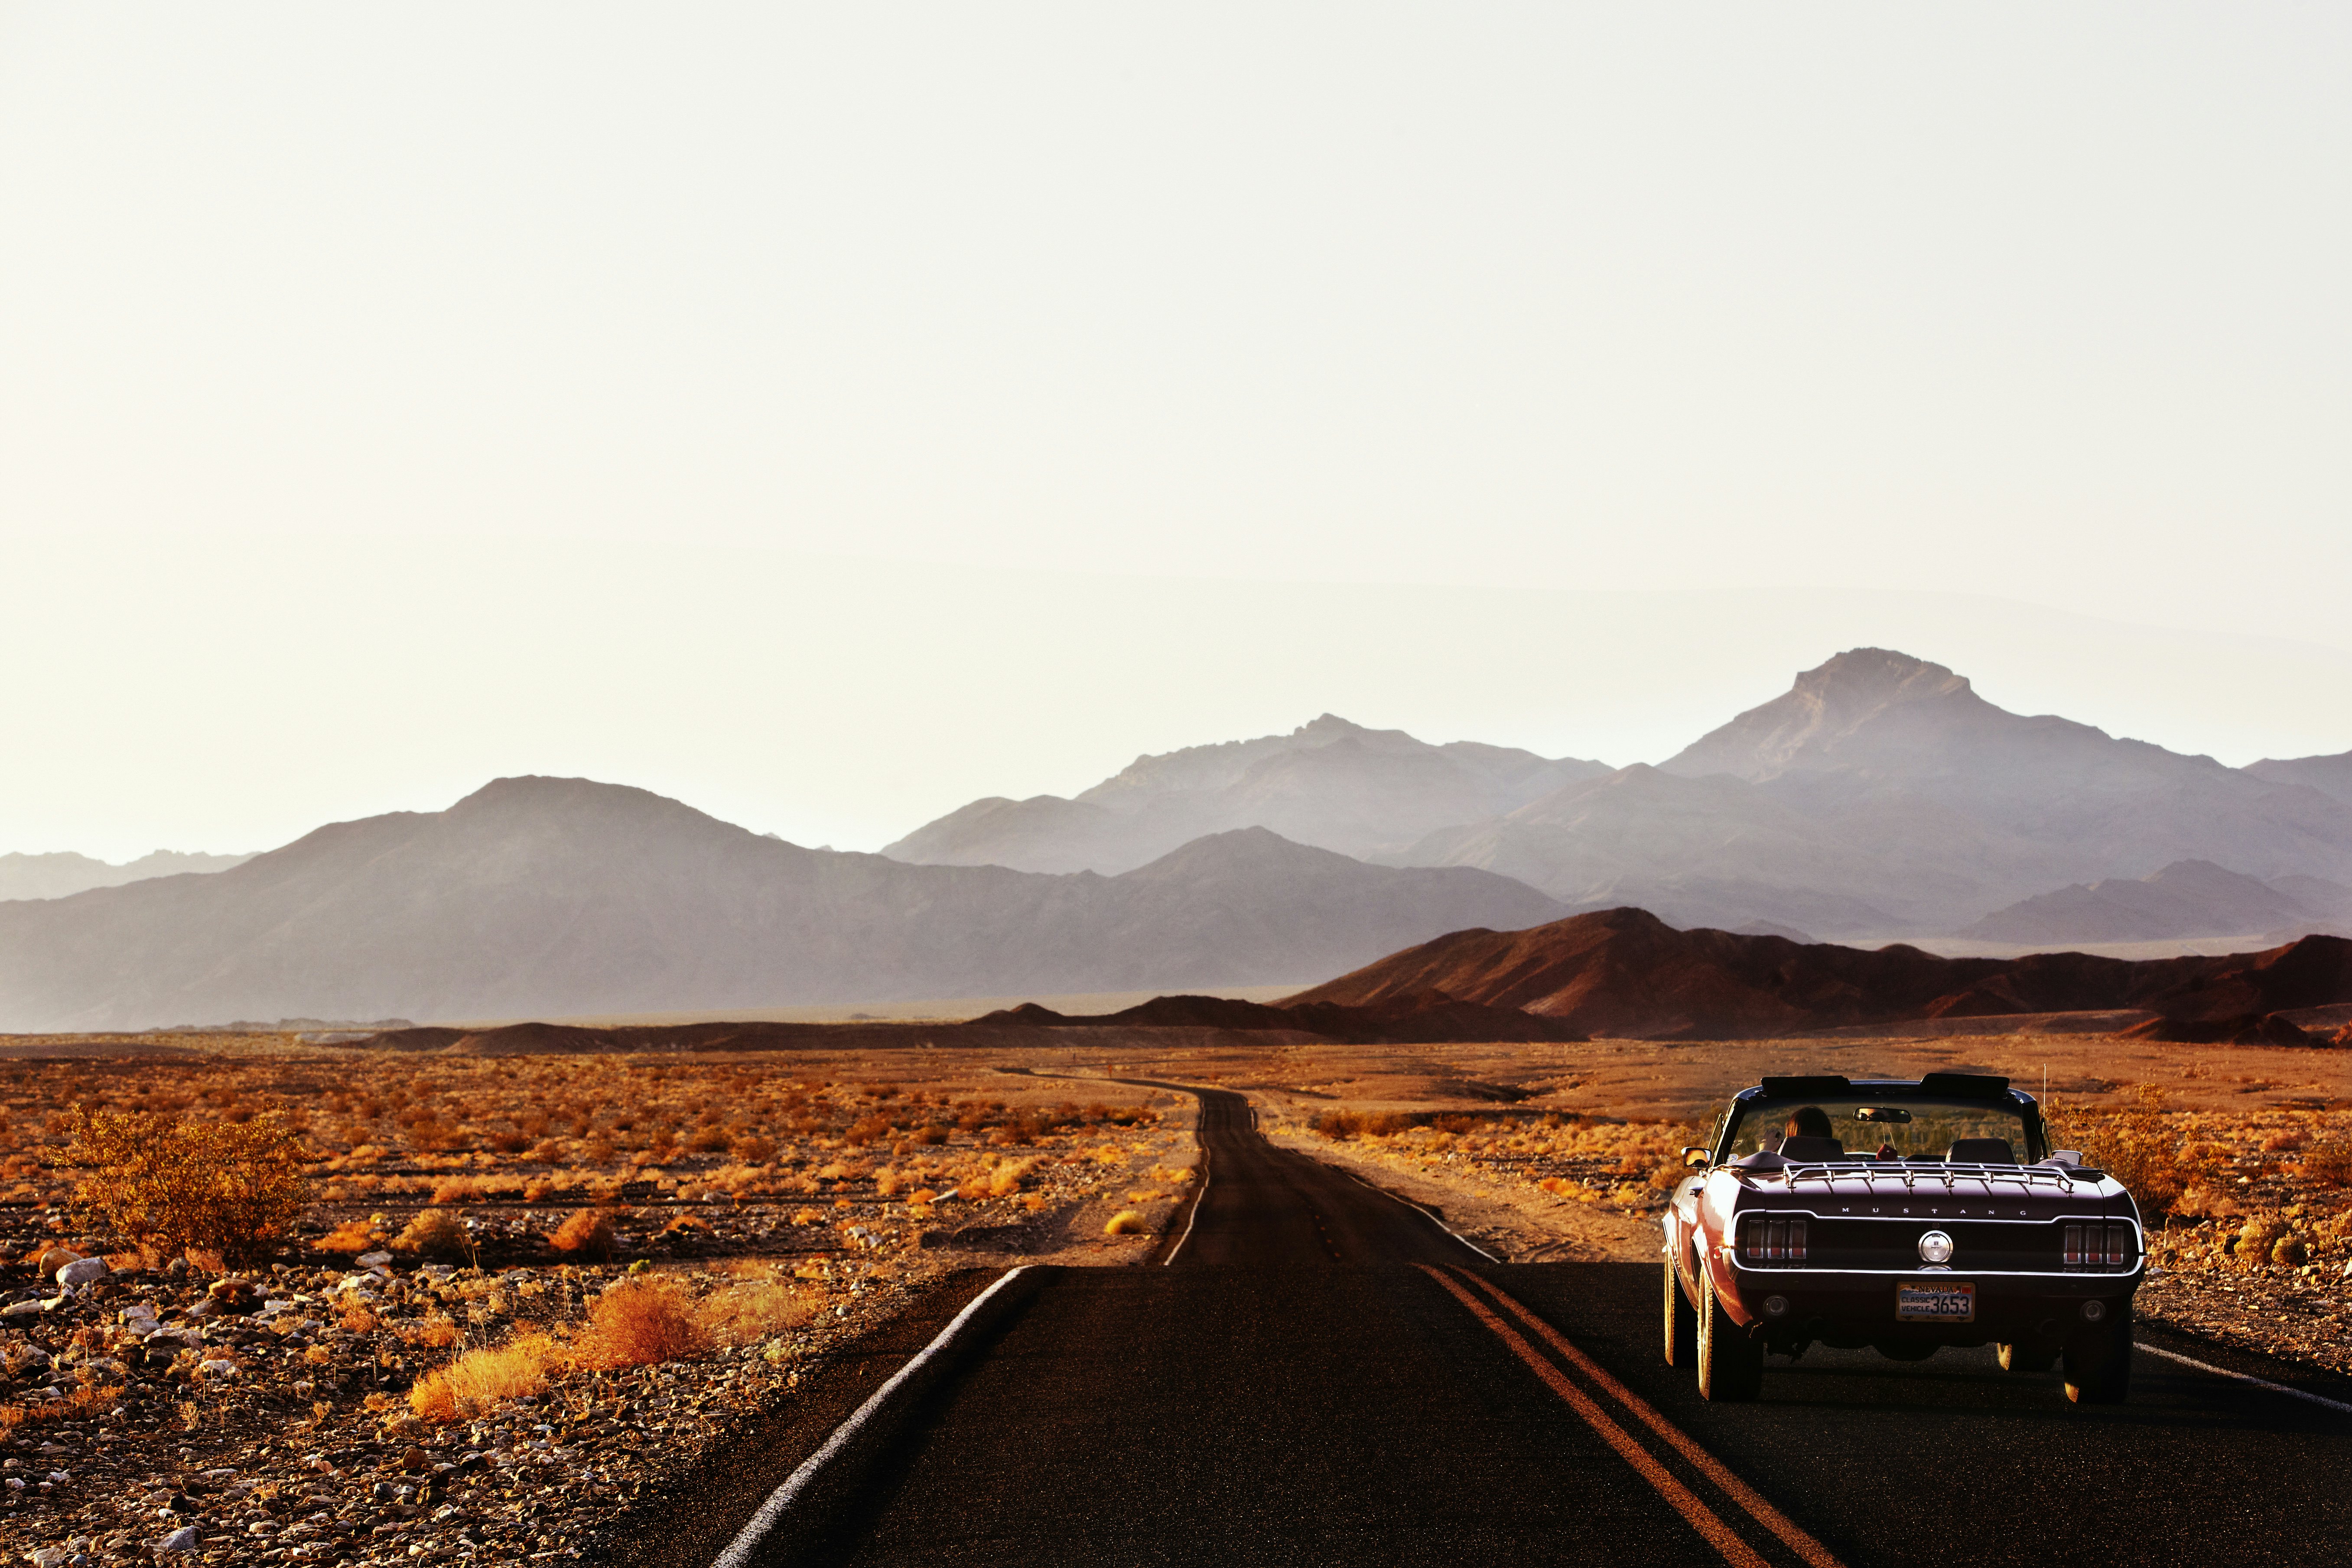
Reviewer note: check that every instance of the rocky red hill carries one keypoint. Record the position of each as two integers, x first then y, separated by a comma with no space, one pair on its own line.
1626,973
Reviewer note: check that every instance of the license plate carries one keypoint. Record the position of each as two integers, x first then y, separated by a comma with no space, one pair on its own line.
1935,1303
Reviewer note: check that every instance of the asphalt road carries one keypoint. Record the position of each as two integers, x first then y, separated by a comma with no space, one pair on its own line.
1322,1374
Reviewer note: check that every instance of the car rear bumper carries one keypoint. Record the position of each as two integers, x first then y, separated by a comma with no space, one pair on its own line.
1860,1307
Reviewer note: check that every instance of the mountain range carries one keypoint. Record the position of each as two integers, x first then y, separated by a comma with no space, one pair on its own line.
555,897
1880,797
63,874
1330,783
1625,973
2185,900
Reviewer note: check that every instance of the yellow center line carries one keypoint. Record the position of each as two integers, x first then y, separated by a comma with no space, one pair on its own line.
1707,1465
1685,1502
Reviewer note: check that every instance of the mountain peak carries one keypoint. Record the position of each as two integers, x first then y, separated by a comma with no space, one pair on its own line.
1823,706
1876,677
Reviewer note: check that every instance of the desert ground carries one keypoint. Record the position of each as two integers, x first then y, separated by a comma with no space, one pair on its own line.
527,1292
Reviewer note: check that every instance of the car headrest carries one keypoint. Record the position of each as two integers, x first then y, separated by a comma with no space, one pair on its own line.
1798,1148
1981,1151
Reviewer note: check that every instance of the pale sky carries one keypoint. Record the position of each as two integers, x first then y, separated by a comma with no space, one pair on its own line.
828,415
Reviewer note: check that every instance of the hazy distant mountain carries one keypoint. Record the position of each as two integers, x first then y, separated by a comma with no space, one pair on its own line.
1330,783
2328,775
1695,852
1871,726
64,873
2187,899
562,895
1882,796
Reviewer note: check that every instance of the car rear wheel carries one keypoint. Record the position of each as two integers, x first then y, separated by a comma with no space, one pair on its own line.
1682,1322
1730,1364
2017,1358
2098,1365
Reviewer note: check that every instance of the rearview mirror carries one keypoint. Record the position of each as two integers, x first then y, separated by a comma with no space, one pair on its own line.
1882,1113
1694,1157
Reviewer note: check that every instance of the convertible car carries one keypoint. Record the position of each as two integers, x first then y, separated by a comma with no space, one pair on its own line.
1904,1216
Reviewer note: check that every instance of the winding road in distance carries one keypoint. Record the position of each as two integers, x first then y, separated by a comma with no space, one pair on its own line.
1322,1374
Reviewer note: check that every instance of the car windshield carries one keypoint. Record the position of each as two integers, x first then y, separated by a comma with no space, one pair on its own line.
1890,1127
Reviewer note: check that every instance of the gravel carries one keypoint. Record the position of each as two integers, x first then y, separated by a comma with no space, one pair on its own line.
249,1437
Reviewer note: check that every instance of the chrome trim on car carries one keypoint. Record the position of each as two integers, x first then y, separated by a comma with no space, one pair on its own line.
2140,1231
1784,1274
1909,1172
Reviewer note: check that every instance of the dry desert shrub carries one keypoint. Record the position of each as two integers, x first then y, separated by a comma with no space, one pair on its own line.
1125,1222
436,1333
2139,1147
226,1187
435,1232
2329,1165
352,1235
587,1234
2260,1240
479,1379
743,1313
1008,1177
457,1190
1336,1124
641,1322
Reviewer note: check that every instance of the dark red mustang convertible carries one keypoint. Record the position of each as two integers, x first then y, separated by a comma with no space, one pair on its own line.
1902,1215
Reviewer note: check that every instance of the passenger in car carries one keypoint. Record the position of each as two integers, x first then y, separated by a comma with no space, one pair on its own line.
1810,1136
1810,1121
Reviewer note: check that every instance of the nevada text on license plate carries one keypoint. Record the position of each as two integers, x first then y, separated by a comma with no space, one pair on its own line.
1936,1303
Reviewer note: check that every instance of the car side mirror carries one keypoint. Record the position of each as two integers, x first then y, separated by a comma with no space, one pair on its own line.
1694,1157
2064,1157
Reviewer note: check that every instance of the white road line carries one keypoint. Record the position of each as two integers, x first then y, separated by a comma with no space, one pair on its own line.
747,1541
1198,1199
1202,1144
2243,1377
1421,1211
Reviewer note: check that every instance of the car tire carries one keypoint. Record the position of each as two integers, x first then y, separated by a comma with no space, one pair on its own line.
1730,1364
2098,1365
1682,1322
2019,1359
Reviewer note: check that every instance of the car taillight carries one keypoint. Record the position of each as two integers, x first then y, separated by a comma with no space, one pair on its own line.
1771,1239
2098,1246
